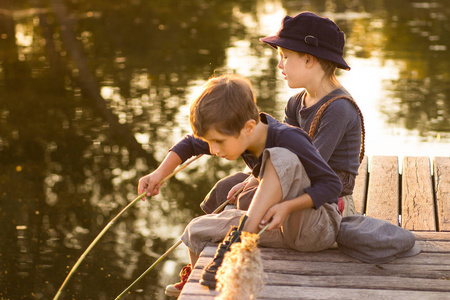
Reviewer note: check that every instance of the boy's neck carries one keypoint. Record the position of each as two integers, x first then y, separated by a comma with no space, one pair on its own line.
258,139
314,95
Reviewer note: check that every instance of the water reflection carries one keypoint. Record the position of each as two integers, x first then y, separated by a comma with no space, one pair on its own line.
92,95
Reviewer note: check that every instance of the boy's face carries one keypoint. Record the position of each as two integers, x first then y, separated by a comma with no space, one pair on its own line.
225,146
293,66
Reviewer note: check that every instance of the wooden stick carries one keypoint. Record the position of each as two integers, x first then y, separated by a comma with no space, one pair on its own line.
112,222
264,229
218,209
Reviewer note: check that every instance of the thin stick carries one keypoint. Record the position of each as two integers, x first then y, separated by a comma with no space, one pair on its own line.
262,230
112,222
149,269
218,209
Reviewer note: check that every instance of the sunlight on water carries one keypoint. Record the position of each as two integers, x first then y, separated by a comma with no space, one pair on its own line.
383,138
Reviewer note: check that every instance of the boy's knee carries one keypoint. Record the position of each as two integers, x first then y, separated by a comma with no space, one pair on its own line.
290,170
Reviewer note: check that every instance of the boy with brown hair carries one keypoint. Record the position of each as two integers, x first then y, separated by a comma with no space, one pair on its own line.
297,191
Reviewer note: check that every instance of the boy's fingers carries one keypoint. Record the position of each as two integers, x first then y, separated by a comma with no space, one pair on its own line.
266,219
231,194
272,225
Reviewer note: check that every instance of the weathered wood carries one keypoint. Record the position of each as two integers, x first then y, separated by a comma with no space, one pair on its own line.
431,250
318,293
442,191
383,194
348,281
432,236
417,195
435,246
318,268
401,279
298,292
360,190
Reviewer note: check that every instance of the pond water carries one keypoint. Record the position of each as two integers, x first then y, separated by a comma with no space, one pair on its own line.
93,93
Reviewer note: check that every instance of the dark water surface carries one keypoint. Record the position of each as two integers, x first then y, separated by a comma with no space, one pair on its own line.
93,93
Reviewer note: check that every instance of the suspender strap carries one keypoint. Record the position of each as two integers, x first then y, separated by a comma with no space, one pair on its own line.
324,106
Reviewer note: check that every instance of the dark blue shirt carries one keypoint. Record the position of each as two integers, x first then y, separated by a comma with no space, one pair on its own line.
325,185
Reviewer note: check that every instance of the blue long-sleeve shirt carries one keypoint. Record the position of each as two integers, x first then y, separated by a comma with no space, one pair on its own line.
325,185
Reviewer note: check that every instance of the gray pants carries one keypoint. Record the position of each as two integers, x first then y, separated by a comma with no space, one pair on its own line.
306,230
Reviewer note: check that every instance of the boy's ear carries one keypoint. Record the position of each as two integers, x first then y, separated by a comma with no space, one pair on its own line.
249,126
309,58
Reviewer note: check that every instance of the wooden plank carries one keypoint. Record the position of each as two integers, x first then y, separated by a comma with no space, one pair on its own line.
433,252
432,236
196,291
441,172
281,292
360,190
364,282
417,212
406,269
435,247
383,193
388,287
348,281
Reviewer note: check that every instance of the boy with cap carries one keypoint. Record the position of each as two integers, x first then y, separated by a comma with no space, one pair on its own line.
311,49
297,191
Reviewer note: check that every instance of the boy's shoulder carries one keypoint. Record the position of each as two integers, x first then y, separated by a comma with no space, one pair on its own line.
278,130
342,107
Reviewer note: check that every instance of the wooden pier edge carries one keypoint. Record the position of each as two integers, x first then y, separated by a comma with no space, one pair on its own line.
413,193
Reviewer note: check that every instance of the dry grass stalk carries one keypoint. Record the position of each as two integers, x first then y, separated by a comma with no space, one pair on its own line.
241,273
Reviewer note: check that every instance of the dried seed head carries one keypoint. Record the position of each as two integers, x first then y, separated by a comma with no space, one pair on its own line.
241,273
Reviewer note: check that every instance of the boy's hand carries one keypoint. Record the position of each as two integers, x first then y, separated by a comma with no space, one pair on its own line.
249,182
150,184
276,215
231,194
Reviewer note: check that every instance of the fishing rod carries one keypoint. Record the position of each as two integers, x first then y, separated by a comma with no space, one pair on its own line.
112,222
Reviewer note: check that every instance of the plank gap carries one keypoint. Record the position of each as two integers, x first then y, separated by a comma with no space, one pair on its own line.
435,202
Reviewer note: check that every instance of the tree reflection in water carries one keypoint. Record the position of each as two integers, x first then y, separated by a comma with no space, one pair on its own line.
92,95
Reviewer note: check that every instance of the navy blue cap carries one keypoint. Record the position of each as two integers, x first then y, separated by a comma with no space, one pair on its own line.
309,33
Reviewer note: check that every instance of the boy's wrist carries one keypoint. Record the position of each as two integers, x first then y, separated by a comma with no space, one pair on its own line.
301,202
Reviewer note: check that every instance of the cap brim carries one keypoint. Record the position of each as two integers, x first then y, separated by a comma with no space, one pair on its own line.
411,252
300,46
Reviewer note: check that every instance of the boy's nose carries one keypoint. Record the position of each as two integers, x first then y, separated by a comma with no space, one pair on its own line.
280,64
213,149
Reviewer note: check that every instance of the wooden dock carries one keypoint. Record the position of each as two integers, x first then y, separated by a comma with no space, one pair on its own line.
415,196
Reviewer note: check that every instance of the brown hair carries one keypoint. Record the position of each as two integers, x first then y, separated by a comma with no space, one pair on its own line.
225,103
328,67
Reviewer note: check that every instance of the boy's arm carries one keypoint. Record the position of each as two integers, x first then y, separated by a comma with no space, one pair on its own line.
333,125
150,182
277,214
291,110
179,153
190,146
325,184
